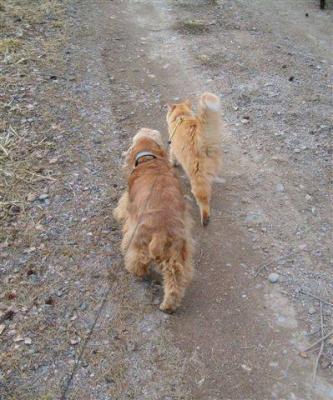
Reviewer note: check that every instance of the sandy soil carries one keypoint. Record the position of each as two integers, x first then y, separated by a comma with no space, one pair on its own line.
75,325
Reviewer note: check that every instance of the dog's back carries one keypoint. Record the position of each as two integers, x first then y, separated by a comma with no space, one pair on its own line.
157,202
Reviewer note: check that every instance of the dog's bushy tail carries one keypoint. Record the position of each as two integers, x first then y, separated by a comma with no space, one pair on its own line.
157,245
209,112
210,115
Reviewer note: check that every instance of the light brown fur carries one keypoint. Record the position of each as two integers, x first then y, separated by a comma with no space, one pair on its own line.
195,144
156,222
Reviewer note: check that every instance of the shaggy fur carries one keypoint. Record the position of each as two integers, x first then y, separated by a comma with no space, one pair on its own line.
195,144
156,222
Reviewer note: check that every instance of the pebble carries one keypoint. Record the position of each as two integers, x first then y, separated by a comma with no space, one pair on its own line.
273,277
297,150
31,197
27,341
246,368
43,196
308,197
2,328
312,310
280,188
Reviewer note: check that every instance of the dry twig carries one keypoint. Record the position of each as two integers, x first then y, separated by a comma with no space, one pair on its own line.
317,298
318,341
265,265
322,343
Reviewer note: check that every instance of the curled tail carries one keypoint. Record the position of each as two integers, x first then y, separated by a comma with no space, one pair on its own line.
210,115
209,104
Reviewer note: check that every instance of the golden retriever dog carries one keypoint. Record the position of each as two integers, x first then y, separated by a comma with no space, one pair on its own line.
195,144
155,218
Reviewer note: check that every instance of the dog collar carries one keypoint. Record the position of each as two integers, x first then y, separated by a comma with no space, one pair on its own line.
143,154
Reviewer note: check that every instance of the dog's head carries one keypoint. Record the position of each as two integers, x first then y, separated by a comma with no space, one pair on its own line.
145,140
179,109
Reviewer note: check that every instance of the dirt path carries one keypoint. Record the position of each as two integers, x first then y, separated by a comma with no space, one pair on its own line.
236,336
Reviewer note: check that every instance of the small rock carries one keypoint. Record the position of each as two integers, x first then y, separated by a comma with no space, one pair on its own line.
273,277
228,265
2,328
75,341
43,196
245,120
280,188
83,306
246,368
308,197
27,341
304,354
53,160
297,150
31,197
18,338
325,363
131,346
108,379
312,310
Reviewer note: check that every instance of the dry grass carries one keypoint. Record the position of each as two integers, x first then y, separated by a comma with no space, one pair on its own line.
9,45
24,49
193,27
28,57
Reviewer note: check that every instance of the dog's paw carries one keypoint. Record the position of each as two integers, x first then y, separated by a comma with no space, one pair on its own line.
205,220
169,305
167,308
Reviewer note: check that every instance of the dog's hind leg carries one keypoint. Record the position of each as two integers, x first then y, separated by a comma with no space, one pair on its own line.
202,190
135,263
176,278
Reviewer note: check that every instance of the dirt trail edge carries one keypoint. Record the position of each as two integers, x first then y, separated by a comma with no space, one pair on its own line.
237,336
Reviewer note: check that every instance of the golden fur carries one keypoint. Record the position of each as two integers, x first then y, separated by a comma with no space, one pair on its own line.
156,222
195,144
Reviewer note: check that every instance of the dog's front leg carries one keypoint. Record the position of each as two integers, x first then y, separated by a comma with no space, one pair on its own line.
172,159
120,211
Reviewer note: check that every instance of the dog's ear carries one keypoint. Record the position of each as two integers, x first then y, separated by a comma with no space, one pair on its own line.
171,107
188,103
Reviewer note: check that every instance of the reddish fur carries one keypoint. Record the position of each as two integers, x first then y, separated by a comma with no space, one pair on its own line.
156,223
195,144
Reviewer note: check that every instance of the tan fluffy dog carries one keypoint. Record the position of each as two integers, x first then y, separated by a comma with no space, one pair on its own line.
156,223
195,144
